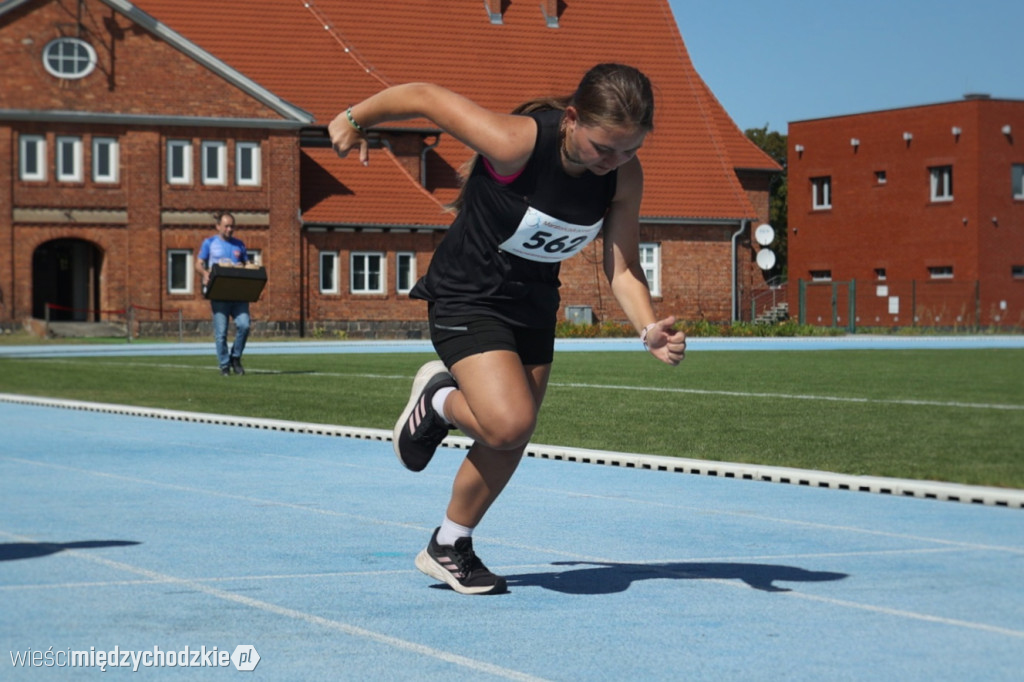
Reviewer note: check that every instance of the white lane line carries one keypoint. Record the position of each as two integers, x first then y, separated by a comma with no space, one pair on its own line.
677,570
507,569
426,530
202,585
913,615
631,501
613,498
219,494
302,616
583,559
871,608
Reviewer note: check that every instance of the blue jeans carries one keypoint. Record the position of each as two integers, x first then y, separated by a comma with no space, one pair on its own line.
222,310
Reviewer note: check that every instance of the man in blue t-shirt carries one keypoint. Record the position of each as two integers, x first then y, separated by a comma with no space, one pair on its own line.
224,248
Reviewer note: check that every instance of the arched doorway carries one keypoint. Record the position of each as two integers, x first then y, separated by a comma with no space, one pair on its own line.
66,274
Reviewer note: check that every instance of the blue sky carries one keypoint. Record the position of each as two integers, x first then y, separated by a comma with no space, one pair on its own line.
790,60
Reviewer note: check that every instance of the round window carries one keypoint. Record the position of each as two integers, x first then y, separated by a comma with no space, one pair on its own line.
69,58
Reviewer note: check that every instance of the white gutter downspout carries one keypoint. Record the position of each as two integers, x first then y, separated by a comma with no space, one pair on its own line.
735,236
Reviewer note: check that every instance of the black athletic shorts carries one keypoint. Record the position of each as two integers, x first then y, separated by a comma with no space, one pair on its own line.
456,338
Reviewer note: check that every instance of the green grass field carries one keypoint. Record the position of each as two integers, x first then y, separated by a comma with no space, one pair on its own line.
950,415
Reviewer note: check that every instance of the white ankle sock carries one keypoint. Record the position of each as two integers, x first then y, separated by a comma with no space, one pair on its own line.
437,402
451,531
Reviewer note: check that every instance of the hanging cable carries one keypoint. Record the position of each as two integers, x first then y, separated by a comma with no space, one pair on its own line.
345,45
328,26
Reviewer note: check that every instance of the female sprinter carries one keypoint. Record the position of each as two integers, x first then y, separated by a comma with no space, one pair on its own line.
545,181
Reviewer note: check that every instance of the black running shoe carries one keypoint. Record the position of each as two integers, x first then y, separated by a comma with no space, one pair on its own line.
459,567
236,365
420,429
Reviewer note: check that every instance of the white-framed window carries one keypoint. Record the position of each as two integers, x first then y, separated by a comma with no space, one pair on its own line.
248,164
69,158
215,162
880,177
941,183
1017,177
821,192
880,274
405,271
179,162
106,159
1017,271
367,273
32,157
179,271
255,256
940,272
328,272
68,57
821,275
650,261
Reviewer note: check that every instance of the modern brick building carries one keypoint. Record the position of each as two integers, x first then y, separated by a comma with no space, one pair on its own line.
123,126
921,208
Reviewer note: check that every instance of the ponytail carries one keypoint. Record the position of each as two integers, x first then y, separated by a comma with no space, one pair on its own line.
613,95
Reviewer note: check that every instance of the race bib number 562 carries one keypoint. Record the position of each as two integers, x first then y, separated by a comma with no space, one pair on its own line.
542,238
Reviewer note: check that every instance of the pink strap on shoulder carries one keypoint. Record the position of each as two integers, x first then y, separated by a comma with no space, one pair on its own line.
503,179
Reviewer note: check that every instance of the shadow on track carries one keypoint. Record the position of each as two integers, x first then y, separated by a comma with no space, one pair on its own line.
34,550
609,578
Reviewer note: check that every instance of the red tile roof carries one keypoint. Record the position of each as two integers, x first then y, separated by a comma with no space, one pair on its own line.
336,191
323,55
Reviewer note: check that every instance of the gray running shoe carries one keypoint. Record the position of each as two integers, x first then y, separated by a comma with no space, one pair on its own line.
420,429
459,567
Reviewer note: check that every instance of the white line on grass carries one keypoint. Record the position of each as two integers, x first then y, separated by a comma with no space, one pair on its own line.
796,396
616,387
891,486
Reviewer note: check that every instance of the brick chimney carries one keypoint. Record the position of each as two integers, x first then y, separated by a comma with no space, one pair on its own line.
552,10
494,10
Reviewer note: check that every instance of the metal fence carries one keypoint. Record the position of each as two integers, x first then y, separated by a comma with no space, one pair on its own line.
906,303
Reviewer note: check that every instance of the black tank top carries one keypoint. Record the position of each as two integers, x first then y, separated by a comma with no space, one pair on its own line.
473,273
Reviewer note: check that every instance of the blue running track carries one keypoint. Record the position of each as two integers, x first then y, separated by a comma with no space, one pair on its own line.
156,534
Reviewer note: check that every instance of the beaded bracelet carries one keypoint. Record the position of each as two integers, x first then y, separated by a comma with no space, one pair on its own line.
353,122
647,329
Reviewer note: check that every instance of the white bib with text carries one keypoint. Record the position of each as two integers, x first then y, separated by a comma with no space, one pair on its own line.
542,238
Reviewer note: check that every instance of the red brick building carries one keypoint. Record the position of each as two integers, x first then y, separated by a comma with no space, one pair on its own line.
123,126
922,208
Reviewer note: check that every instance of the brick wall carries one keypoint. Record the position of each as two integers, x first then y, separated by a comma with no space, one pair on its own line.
891,223
139,74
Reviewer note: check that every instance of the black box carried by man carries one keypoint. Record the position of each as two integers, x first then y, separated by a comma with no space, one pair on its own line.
235,282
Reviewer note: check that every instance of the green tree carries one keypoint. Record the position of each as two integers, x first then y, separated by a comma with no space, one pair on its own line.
775,145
